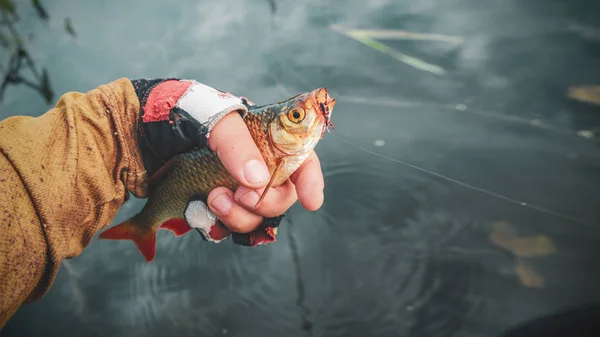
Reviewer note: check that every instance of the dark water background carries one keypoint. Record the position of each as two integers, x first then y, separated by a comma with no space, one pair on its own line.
393,251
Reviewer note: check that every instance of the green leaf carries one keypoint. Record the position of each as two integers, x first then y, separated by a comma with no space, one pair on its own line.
69,27
46,87
4,41
40,10
17,41
364,37
8,6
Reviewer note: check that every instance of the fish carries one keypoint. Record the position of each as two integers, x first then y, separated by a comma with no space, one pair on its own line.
285,132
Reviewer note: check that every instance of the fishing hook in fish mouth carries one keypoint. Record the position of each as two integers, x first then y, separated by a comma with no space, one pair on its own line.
325,104
326,115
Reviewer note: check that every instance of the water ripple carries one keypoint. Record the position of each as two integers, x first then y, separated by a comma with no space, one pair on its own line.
389,236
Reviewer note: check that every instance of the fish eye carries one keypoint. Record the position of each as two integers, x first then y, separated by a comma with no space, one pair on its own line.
296,115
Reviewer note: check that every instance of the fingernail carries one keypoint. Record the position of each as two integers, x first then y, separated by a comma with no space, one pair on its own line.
255,172
222,204
249,199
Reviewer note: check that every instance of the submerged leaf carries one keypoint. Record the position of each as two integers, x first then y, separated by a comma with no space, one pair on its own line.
365,39
528,276
504,235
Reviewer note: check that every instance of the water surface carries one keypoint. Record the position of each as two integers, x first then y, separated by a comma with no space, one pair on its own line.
393,251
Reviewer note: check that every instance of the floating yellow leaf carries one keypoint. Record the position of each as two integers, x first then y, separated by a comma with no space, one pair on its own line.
502,232
505,236
588,94
527,276
540,245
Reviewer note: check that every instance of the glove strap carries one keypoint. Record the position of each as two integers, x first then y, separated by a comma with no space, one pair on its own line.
266,233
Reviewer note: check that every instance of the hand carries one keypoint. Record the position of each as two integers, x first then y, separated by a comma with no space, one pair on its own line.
232,142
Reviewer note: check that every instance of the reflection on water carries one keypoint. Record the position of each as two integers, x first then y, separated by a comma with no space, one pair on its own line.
393,251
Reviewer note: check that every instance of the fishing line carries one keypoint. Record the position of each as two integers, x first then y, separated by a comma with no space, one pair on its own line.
472,187
463,184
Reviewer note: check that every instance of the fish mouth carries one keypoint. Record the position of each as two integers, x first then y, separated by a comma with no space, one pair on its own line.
324,105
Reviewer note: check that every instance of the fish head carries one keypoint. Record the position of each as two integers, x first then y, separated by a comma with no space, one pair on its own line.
301,122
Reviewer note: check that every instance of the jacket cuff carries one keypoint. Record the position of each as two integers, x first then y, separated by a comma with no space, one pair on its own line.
124,108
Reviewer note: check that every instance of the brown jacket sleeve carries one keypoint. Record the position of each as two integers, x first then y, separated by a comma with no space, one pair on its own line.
63,176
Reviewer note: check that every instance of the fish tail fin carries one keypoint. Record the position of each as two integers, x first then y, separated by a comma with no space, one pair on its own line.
145,240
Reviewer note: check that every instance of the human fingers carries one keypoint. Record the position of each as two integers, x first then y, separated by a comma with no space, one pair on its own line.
309,183
233,216
276,202
236,149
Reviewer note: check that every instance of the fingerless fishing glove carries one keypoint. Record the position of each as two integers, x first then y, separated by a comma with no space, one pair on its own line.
176,116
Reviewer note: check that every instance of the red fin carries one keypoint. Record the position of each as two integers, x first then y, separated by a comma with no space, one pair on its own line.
145,241
219,231
176,225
